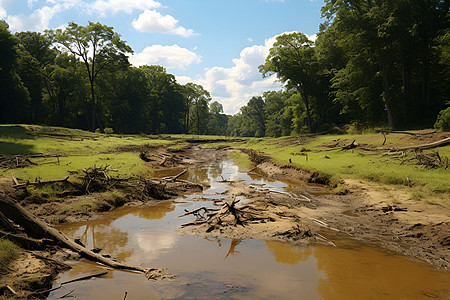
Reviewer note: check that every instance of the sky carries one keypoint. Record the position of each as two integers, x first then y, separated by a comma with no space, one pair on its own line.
218,44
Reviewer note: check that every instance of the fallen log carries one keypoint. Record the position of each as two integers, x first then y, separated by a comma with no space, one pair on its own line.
25,242
352,145
39,229
436,144
174,178
22,185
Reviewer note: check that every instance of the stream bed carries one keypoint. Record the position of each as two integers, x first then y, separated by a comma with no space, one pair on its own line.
219,268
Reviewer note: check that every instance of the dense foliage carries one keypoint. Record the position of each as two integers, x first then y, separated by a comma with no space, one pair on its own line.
81,78
374,63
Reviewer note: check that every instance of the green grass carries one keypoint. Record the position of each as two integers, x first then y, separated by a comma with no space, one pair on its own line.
80,149
242,160
76,149
8,252
355,164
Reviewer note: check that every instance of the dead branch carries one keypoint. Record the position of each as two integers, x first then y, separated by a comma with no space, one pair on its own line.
38,229
196,212
292,195
174,178
352,145
26,242
17,186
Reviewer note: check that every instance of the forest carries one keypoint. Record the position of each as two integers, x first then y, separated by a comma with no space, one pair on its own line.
374,64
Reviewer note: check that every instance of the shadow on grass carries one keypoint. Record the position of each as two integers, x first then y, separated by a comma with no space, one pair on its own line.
16,132
15,148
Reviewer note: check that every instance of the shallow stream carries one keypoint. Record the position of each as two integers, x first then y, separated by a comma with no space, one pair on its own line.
222,268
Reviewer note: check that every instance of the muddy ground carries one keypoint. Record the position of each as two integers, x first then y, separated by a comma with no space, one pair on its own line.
382,216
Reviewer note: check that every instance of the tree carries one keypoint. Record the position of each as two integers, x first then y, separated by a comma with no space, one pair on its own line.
14,97
98,46
218,121
278,113
254,118
199,99
293,60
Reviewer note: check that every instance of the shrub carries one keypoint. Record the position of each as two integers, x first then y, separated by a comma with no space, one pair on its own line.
443,120
108,130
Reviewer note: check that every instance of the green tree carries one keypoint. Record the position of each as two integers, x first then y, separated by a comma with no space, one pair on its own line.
14,97
254,118
218,121
198,98
98,47
278,113
293,60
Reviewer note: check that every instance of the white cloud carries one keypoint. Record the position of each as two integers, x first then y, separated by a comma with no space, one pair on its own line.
153,21
103,6
3,13
170,57
37,21
40,18
30,3
234,86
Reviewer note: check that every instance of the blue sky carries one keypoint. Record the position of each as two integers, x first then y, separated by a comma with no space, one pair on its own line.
216,43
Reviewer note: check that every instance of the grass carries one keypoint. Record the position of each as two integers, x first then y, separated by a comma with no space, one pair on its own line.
76,149
369,166
241,159
8,252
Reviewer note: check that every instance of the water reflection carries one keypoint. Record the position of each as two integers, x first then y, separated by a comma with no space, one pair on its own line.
244,269
287,253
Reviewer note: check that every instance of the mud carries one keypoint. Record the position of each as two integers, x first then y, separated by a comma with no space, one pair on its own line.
385,217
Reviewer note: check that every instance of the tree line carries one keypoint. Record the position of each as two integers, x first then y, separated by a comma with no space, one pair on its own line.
375,63
80,77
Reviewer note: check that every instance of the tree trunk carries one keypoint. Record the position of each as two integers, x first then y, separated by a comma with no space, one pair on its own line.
40,230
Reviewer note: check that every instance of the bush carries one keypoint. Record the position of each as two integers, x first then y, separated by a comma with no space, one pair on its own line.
443,120
109,130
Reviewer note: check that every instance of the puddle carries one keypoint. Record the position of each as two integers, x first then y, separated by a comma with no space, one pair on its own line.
234,269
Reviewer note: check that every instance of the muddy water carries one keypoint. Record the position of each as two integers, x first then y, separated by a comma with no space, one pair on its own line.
224,269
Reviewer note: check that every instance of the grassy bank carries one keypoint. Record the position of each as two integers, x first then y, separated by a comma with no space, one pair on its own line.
325,154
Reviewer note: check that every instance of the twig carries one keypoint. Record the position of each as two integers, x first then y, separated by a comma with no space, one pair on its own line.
65,295
179,175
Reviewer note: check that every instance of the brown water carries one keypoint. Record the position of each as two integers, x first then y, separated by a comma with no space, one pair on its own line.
234,269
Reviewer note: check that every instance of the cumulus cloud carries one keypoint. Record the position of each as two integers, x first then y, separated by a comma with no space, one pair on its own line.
30,3
37,21
3,13
170,57
102,7
234,86
153,21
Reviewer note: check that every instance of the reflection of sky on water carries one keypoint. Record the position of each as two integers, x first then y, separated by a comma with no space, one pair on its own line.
223,269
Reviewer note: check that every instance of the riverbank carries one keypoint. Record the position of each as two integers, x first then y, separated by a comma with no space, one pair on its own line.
409,217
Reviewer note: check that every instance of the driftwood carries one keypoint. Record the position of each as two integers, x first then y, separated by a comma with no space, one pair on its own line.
40,230
436,144
22,185
292,195
352,145
228,215
70,281
25,242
